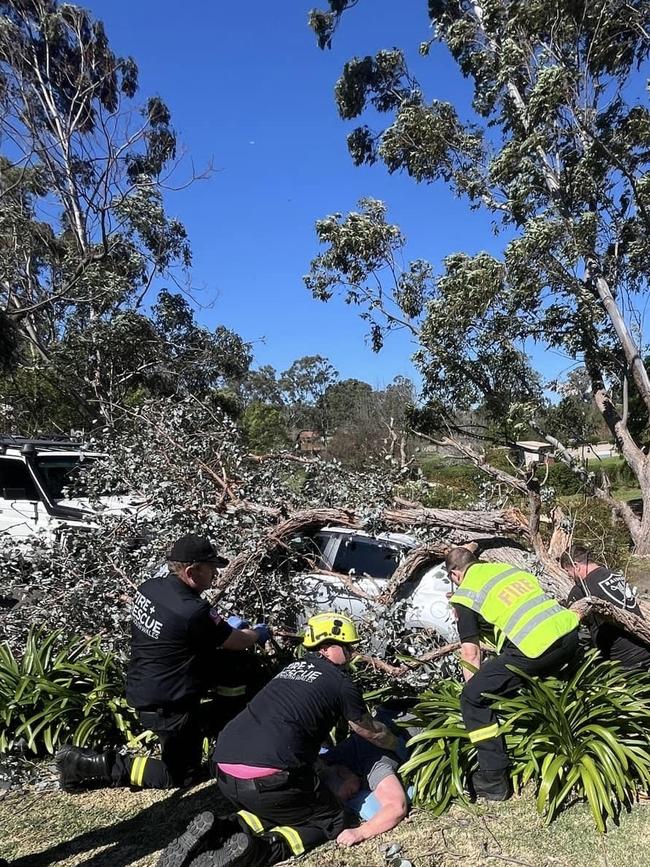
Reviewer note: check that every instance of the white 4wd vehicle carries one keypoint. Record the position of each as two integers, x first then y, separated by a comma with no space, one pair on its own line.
370,561
34,474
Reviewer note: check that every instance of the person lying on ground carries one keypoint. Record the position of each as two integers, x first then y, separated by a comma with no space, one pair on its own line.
365,778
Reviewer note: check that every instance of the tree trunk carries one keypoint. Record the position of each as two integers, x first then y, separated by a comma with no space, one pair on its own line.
493,522
482,528
631,350
637,626
642,541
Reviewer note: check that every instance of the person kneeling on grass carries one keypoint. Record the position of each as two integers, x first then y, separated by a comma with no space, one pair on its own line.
180,648
265,760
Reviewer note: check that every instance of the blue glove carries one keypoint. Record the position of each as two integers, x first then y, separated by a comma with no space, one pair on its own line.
263,633
237,622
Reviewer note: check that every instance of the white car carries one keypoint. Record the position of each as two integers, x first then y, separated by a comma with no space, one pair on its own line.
34,475
370,562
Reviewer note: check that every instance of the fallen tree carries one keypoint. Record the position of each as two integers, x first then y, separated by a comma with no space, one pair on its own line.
591,606
193,473
492,548
402,515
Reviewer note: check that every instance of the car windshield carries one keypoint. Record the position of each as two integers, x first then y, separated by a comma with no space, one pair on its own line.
366,556
59,472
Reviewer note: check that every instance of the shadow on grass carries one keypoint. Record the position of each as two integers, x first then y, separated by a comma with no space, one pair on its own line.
134,838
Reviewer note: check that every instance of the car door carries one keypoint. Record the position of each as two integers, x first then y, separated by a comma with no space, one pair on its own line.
428,604
21,511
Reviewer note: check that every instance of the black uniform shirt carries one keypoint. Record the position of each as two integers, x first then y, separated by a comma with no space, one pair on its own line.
286,722
470,624
174,634
613,643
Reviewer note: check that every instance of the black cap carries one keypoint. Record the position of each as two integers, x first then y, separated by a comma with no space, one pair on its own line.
195,549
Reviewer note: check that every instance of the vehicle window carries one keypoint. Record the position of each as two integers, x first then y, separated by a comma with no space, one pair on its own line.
366,555
58,473
320,543
15,481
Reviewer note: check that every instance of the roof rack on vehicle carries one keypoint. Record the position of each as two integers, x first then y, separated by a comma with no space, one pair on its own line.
31,443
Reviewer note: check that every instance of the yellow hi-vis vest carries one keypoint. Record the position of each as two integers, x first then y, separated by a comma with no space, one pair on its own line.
514,602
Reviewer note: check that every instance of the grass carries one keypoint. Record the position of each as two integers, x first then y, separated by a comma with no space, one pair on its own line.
624,493
607,464
116,828
627,493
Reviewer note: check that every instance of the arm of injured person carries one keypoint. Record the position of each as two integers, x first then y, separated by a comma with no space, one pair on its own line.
393,808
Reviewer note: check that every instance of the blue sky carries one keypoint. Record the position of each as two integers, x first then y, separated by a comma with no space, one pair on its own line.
251,93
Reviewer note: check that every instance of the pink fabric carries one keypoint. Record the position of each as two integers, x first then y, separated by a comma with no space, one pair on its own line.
246,772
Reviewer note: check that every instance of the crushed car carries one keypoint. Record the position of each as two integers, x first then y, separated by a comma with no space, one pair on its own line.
370,562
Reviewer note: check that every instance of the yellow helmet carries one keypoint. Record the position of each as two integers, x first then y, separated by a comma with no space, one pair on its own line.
330,626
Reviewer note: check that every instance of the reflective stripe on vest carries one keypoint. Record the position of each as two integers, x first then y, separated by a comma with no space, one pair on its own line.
524,631
513,601
231,691
516,616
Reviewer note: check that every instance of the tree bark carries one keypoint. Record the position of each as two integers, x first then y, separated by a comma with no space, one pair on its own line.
276,538
494,522
560,539
636,626
631,350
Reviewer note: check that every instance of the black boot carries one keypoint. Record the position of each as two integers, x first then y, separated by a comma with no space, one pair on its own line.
240,850
492,785
205,831
80,767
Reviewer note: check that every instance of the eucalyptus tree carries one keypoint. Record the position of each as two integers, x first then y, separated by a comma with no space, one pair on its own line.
303,385
557,150
82,173
164,353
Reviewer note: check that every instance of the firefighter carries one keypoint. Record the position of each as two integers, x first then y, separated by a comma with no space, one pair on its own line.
534,634
265,760
178,645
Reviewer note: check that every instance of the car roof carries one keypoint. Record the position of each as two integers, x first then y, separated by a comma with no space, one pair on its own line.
395,538
16,452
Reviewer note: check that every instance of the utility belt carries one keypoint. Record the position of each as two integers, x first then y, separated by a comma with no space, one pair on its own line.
172,708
